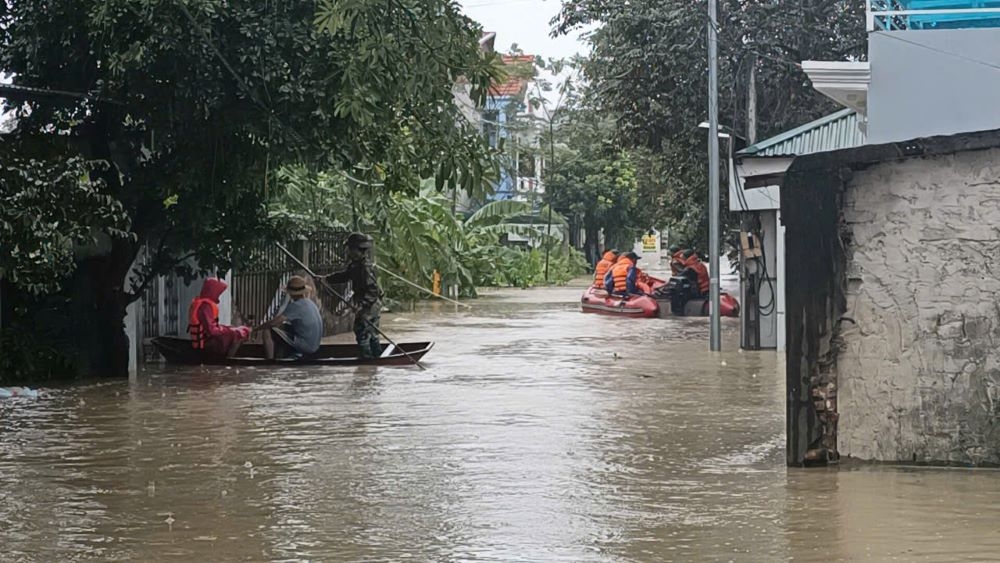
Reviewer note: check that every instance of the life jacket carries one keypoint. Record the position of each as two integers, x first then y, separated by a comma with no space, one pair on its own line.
677,262
704,281
607,261
199,334
619,274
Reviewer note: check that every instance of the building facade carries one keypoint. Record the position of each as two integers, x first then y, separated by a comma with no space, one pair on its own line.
754,191
893,319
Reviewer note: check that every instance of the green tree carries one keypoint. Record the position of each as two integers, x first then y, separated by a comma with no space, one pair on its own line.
649,73
417,232
192,104
592,180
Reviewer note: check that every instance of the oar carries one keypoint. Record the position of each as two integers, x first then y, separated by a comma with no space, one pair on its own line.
424,289
329,288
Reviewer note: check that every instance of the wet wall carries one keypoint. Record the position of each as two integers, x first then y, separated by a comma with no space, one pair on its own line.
814,258
893,318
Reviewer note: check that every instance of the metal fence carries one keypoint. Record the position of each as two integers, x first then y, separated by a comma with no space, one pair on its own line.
257,280
894,15
255,289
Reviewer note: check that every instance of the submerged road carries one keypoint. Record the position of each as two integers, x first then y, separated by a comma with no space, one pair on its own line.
538,434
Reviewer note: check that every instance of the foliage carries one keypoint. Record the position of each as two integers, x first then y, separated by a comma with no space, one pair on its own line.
34,347
649,73
193,103
26,358
592,179
416,234
51,209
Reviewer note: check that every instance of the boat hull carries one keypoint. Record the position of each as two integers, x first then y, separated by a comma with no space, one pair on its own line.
700,307
179,351
598,301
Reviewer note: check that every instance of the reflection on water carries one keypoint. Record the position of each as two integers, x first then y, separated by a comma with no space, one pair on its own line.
538,433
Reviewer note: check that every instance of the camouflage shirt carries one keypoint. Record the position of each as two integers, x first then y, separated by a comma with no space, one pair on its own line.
364,284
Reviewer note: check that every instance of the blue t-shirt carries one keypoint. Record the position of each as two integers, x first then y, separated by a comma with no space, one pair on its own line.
305,325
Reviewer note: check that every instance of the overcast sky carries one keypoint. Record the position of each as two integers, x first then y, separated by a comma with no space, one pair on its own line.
525,22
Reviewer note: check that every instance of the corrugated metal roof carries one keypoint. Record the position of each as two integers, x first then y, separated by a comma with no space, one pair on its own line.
836,131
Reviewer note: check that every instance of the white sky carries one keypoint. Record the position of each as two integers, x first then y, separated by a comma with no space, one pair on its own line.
525,22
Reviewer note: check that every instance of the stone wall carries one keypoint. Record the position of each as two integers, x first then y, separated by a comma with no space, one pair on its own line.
917,373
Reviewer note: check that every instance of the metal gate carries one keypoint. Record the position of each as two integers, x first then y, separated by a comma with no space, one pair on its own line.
257,280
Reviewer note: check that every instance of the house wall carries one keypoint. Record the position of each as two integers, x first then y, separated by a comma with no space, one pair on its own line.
907,101
917,368
756,199
814,292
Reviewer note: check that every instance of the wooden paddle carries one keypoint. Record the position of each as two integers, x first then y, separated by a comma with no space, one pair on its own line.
344,300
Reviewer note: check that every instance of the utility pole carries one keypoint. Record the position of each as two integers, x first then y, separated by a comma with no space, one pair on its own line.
715,339
548,226
752,102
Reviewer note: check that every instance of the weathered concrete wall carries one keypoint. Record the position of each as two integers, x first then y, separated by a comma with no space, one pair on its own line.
918,372
814,256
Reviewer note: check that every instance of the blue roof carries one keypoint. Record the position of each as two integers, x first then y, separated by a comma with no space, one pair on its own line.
840,130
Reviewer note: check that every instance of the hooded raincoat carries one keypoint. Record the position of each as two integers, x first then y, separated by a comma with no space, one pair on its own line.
204,320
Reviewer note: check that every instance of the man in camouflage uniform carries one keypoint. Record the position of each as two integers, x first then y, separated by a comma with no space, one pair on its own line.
367,296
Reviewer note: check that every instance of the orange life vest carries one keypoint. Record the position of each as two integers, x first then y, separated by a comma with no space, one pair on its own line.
704,282
199,333
619,272
677,262
607,261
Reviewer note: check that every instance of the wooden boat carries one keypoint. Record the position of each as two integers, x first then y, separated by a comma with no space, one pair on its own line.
180,351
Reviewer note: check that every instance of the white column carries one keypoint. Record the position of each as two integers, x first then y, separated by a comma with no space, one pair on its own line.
226,301
133,322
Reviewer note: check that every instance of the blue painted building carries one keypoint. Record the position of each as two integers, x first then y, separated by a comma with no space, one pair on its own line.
508,117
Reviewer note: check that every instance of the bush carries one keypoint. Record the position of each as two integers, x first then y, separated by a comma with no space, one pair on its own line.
27,358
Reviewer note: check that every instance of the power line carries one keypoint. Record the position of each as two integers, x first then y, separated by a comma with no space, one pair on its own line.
943,52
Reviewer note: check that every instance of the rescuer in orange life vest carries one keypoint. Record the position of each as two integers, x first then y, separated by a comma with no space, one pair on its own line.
623,278
607,261
203,322
694,263
676,259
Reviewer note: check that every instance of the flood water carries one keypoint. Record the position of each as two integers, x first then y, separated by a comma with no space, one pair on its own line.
538,433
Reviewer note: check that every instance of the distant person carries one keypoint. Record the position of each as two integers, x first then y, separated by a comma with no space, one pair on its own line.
676,259
701,279
203,323
296,331
367,298
623,278
605,264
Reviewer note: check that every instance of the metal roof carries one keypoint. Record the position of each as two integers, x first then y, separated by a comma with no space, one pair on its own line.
836,131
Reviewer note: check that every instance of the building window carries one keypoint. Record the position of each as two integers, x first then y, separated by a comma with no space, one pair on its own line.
490,127
526,165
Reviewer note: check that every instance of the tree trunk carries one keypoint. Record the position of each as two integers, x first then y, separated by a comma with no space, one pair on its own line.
99,299
593,245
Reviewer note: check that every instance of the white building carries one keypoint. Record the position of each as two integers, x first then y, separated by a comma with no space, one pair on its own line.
754,191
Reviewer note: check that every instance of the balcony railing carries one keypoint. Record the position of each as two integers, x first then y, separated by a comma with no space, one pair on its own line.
893,15
530,185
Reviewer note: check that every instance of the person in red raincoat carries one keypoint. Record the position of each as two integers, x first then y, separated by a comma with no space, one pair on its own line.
203,323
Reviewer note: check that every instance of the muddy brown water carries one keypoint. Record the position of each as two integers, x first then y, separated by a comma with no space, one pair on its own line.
538,434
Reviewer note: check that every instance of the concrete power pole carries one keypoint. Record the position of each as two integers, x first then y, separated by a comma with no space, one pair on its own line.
715,340
752,103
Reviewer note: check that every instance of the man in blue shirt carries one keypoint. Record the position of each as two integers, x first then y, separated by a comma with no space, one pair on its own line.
296,331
